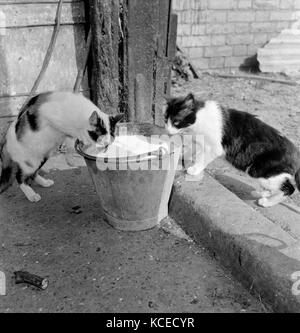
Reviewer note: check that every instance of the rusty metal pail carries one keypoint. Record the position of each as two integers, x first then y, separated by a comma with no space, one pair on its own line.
134,198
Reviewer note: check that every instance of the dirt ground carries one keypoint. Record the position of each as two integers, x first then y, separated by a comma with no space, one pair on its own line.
92,267
276,104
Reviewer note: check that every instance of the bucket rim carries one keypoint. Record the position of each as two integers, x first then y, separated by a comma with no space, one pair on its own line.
143,157
159,153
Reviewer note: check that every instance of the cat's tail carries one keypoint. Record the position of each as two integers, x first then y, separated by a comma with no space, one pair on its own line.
297,179
8,172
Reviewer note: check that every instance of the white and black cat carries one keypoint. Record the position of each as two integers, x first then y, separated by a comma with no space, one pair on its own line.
246,142
49,119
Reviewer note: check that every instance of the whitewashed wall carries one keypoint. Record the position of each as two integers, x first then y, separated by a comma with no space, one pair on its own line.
26,27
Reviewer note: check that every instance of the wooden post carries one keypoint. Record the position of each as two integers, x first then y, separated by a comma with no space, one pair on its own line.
104,21
133,45
166,49
140,95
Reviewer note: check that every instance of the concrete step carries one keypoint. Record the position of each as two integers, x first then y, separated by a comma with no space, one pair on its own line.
263,255
286,214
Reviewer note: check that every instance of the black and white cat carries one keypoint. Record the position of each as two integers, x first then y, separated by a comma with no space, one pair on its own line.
49,119
246,142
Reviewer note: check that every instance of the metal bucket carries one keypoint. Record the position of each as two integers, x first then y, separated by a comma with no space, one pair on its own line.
134,199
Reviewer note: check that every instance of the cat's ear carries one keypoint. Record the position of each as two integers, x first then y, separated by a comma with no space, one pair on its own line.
94,119
115,119
189,101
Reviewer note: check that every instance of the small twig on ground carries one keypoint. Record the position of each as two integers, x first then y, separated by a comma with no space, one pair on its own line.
34,280
262,304
22,244
253,77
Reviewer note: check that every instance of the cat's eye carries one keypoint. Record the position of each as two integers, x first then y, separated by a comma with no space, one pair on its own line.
176,123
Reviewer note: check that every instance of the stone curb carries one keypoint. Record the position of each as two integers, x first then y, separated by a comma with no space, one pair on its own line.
258,252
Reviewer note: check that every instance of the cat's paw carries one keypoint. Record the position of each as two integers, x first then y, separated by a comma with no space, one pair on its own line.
194,170
35,197
48,182
43,182
264,202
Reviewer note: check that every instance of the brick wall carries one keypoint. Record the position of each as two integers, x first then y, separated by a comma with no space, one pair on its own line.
221,34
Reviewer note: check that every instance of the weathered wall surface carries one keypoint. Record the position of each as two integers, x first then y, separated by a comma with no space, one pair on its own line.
26,27
221,34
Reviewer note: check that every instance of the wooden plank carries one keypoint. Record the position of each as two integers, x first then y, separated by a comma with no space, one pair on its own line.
171,49
139,94
22,2
104,20
172,37
141,48
163,66
21,58
42,14
165,7
133,53
123,63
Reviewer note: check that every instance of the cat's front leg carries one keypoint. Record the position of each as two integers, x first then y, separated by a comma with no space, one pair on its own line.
29,193
70,151
195,169
202,161
272,200
199,164
195,152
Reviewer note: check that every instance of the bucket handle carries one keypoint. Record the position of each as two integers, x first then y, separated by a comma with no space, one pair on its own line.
156,154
